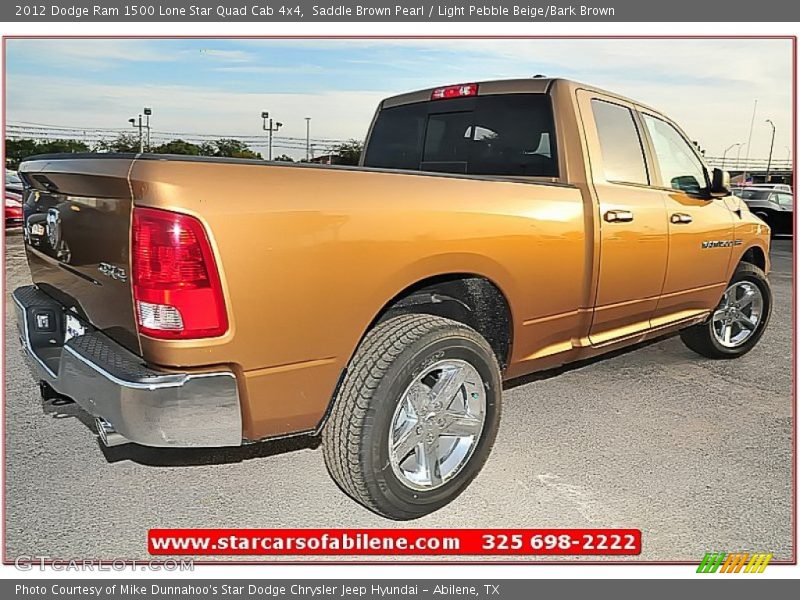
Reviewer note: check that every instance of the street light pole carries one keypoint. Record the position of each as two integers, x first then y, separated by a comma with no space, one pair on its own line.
749,140
272,128
771,146
738,154
308,137
726,152
147,113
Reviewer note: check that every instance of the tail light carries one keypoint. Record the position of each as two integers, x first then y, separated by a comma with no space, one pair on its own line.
176,284
455,91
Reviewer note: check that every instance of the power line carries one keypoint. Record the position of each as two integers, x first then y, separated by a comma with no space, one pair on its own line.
95,135
32,127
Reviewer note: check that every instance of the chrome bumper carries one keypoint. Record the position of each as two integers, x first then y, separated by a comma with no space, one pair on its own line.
144,405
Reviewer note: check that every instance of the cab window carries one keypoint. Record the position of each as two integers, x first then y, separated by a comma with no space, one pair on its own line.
620,144
678,164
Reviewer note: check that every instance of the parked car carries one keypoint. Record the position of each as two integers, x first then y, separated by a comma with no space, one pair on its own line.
774,207
13,210
493,229
783,187
13,182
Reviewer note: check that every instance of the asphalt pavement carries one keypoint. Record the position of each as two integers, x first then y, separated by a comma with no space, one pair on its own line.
694,452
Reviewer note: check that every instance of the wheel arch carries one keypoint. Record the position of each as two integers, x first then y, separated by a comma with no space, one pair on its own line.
469,298
754,255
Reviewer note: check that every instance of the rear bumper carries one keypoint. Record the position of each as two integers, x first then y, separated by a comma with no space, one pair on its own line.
144,405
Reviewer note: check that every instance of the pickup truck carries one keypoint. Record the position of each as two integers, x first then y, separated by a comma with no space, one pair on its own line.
493,229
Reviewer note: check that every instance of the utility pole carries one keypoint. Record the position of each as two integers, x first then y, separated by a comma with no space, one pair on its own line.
771,146
726,152
139,125
308,138
272,128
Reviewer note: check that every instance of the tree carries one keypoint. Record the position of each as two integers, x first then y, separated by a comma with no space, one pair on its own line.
179,147
233,149
284,158
349,152
59,146
125,142
18,150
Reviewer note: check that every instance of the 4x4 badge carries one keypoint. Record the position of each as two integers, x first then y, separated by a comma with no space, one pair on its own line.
112,271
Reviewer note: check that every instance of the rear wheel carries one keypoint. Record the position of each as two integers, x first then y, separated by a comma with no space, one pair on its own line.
416,416
738,322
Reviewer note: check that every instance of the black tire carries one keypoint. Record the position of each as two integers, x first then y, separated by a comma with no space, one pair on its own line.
356,436
701,338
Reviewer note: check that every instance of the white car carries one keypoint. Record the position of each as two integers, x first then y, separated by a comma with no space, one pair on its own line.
780,187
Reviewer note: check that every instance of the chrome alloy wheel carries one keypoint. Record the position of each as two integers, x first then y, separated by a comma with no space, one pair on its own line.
738,315
437,424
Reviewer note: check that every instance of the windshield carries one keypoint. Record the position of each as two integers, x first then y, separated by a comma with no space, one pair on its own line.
511,134
12,177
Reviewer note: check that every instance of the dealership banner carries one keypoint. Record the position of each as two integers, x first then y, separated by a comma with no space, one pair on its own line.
394,542
402,10
387,589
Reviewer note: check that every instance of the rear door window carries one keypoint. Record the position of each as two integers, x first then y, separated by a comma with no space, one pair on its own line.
508,134
620,144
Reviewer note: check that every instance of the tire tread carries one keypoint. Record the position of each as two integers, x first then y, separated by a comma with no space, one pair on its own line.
342,435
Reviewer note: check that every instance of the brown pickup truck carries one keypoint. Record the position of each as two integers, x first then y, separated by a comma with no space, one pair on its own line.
493,229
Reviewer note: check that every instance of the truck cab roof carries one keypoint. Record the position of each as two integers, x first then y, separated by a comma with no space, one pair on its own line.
530,85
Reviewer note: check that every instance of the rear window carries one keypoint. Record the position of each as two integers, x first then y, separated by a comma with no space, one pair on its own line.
754,194
510,134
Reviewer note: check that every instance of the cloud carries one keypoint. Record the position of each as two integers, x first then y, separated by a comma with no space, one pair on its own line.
84,53
269,69
707,85
198,110
227,55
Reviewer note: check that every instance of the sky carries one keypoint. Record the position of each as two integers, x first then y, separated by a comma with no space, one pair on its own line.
221,86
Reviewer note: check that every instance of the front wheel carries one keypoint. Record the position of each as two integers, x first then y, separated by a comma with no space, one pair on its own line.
415,417
738,322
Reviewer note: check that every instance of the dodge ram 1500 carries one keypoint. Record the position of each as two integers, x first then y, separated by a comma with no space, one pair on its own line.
493,229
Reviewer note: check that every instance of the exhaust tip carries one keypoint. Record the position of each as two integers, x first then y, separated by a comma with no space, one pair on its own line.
108,435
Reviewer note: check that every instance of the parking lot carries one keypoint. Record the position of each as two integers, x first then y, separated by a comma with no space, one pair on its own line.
696,453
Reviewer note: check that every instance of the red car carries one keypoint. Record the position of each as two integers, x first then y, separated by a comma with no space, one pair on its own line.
13,210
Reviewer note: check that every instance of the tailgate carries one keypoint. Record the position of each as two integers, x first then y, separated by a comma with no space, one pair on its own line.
77,213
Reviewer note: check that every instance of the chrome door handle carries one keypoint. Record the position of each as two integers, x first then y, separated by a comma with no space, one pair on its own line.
679,218
618,216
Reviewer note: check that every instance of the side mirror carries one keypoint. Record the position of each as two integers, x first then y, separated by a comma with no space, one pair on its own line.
720,183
